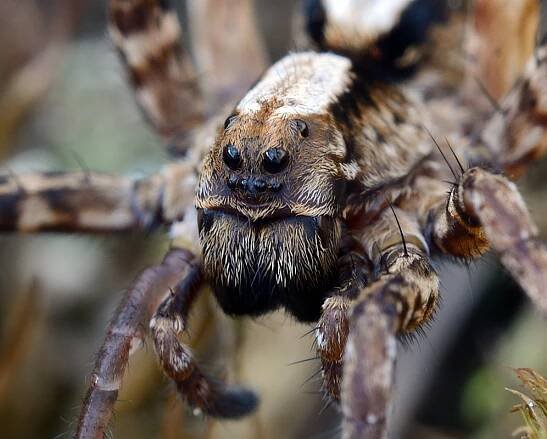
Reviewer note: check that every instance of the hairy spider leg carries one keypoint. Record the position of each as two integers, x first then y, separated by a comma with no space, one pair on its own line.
76,201
148,36
488,210
401,299
202,393
92,202
125,334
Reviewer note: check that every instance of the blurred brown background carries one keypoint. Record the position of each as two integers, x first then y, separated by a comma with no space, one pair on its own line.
64,104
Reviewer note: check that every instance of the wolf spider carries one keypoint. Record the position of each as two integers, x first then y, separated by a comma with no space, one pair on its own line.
325,192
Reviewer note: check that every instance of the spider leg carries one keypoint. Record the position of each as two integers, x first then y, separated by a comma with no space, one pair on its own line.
204,394
126,333
69,202
331,331
517,136
147,34
230,65
487,210
497,58
92,202
331,336
401,298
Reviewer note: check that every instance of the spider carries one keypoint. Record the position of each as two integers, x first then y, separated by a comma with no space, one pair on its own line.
324,191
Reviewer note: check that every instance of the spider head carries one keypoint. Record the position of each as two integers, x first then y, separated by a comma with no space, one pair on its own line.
269,200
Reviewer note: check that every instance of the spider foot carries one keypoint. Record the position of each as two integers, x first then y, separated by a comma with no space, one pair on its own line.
215,398
205,395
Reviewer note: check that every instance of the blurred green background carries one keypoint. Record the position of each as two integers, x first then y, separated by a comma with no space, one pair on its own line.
66,105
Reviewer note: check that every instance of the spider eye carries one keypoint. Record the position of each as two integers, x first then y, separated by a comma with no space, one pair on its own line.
302,127
275,160
231,157
229,121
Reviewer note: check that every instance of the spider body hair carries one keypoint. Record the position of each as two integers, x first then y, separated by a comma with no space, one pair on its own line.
284,243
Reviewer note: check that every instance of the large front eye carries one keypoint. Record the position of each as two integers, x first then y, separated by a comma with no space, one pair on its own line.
275,160
231,157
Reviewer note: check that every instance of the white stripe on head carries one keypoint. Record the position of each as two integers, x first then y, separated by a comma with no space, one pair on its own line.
301,84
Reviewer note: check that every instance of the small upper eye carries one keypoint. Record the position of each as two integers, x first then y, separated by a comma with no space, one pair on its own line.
229,121
302,127
231,157
275,160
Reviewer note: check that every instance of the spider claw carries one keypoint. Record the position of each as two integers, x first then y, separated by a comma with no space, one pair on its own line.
215,398
233,402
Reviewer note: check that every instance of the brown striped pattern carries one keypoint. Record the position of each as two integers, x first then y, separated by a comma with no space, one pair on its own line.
70,202
148,37
484,211
93,202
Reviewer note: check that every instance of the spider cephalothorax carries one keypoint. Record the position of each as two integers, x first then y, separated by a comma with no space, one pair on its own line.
257,187
275,183
322,193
